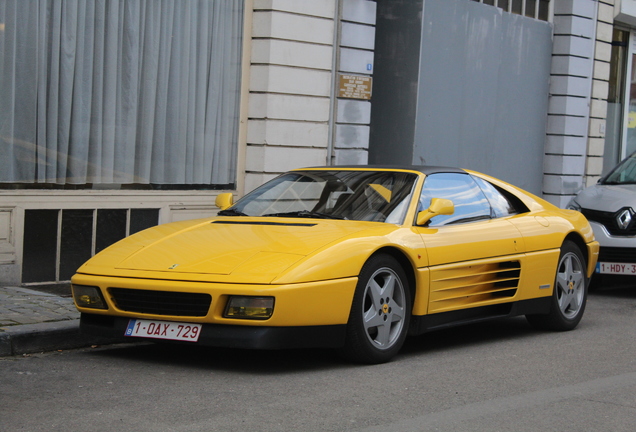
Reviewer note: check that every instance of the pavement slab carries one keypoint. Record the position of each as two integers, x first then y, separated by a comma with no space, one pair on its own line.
38,320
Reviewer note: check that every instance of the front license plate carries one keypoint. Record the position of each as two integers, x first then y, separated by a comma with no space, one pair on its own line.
616,268
163,330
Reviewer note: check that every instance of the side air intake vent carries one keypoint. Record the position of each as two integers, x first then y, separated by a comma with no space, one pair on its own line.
455,287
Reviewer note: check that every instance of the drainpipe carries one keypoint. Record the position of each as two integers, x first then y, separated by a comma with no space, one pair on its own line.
589,100
335,62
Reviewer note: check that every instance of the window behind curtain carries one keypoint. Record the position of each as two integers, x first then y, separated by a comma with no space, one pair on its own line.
119,93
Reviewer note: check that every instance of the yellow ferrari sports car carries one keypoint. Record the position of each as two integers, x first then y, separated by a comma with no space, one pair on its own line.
353,258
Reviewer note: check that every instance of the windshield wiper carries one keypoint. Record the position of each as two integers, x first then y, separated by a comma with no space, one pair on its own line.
231,212
305,214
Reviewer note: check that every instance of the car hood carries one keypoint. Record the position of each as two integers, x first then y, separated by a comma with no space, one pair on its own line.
608,198
239,250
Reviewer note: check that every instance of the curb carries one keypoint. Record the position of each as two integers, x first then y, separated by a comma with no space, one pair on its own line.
51,336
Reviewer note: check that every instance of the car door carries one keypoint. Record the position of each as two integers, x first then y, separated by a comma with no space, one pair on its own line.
475,254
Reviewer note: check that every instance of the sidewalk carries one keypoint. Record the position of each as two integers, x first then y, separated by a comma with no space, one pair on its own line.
33,320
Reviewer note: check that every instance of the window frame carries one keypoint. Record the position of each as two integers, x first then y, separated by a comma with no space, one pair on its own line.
431,223
515,206
88,143
537,9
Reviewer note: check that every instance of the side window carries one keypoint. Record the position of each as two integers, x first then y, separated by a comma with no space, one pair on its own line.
470,202
500,204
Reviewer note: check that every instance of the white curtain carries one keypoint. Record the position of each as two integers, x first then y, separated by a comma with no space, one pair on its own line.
119,91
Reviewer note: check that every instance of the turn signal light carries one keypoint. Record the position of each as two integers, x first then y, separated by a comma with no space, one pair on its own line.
88,297
245,307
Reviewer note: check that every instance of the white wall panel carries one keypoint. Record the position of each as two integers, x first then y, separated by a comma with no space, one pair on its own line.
576,46
279,25
288,133
569,105
322,8
357,36
275,159
557,184
351,157
567,125
575,25
353,111
356,61
564,165
288,107
352,136
571,85
571,145
362,11
297,81
291,53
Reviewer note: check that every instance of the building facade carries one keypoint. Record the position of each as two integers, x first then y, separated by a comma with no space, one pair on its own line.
116,116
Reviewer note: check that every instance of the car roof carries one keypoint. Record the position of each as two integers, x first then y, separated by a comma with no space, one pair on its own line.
424,169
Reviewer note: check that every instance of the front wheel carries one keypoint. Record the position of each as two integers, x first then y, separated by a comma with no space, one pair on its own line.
380,312
570,292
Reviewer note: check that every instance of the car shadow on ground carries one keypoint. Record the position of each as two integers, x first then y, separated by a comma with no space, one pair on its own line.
305,360
474,334
623,291
226,359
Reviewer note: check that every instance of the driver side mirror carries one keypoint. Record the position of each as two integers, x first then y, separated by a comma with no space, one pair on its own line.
224,200
439,206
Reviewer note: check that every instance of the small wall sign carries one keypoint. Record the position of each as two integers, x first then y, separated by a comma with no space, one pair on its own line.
355,87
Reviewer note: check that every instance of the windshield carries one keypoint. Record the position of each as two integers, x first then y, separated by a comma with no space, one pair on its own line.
381,196
624,173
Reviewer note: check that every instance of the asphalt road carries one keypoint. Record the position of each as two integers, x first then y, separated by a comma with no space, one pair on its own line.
498,376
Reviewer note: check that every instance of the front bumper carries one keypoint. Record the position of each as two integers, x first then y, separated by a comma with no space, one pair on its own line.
321,303
606,240
614,249
230,336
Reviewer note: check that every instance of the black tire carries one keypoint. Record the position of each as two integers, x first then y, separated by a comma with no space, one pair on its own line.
380,312
570,292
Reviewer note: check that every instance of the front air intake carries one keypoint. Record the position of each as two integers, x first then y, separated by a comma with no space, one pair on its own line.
154,302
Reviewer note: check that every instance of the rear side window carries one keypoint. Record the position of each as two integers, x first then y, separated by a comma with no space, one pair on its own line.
501,204
470,201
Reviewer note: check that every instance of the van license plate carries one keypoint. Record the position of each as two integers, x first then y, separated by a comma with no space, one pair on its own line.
616,268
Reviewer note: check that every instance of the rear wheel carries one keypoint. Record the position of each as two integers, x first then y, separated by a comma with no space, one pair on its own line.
380,312
570,292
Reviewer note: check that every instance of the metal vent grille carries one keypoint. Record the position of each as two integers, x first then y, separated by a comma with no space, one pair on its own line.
470,285
614,254
161,302
608,220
